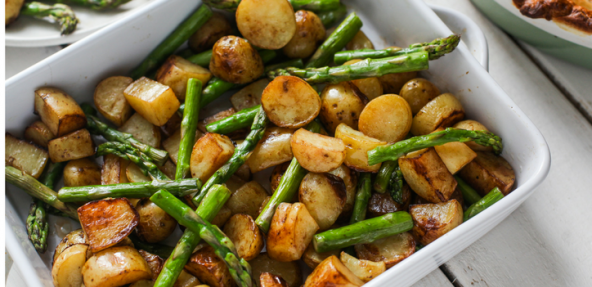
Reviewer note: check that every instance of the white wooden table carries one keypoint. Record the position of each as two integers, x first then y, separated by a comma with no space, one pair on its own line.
546,241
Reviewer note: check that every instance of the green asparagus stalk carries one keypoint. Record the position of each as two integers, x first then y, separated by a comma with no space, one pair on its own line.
223,246
188,127
362,197
179,187
173,41
202,59
488,200
96,4
58,13
287,188
395,186
161,250
228,5
241,119
436,49
315,5
297,63
37,226
398,149
336,41
53,174
365,231
363,69
39,191
383,176
209,207
470,196
329,18
132,154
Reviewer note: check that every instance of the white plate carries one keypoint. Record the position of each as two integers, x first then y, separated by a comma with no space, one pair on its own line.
30,32
79,67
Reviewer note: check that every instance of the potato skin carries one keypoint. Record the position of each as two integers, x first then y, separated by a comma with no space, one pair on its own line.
39,134
211,31
418,92
316,152
76,145
25,156
310,33
59,111
81,172
324,196
441,112
234,60
488,171
472,125
111,102
291,231
312,258
370,87
115,266
155,224
75,237
269,280
360,41
364,269
289,271
66,269
273,149
390,250
155,262
357,146
13,9
268,24
331,272
386,118
245,234
383,203
113,170
250,95
209,153
247,199
209,268
341,103
350,179
142,130
290,102
432,220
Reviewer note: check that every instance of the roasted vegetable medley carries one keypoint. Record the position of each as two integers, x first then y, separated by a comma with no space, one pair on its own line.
359,161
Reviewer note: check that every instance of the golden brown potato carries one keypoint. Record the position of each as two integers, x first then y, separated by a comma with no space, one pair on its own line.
187,280
341,103
268,24
488,171
427,175
75,237
205,37
235,135
67,267
172,125
269,280
247,199
310,33
81,172
249,96
155,224
209,268
273,149
222,217
155,262
357,146
152,100
245,234
12,10
113,170
472,125
39,134
441,112
312,258
290,102
432,220
171,144
360,41
234,60
418,92
316,152
25,156
392,83
209,153
386,118
455,155
292,229
276,175
370,87
289,271
111,102
135,174
116,266
169,169
72,146
350,179
383,203
176,71
364,269
107,221
59,111
331,272
390,250
244,172
324,196
234,183
142,130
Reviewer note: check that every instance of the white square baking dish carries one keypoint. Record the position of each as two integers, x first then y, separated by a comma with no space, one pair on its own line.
117,48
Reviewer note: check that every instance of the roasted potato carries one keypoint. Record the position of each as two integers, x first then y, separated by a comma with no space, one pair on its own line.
324,196
273,149
116,266
58,111
209,268
222,217
107,221
12,10
72,146
81,172
472,125
234,183
113,170
152,100
234,60
427,175
244,172
316,152
268,24
176,71
172,125
247,199
185,279
168,168
245,234
67,267
487,171
341,103
269,280
171,144
249,96
75,237
360,41
142,130
370,87
357,146
205,37
310,33
392,83
386,118
111,102
432,220
289,271
383,203
135,174
312,258
39,134
390,250
455,155
331,272
235,135
209,153
290,102
25,156
364,269
418,92
155,262
441,112
155,224
292,229
350,179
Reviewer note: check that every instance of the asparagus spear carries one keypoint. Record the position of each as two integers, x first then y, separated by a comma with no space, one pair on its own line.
209,207
37,226
241,119
329,18
290,63
488,200
383,177
96,4
395,186
188,127
179,187
161,250
336,41
470,195
59,13
53,174
202,59
223,246
362,197
315,5
398,149
130,153
365,231
287,188
173,41
436,49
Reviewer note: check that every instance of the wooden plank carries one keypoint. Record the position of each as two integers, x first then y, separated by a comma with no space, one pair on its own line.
434,279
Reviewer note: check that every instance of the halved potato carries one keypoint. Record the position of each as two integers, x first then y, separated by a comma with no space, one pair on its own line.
237,134
331,272
441,112
142,130
350,179
268,24
357,146
59,111
392,83
234,60
209,153
364,269
390,250
292,229
78,144
25,156
269,280
155,224
39,134
169,169
245,234
310,33
418,92
432,220
249,96
289,271
116,266
383,203
360,41
135,174
247,199
273,149
67,267
111,102
75,237
113,170
370,87
386,118
290,102
316,152
152,100
222,217
185,279
341,103
427,175
215,28
455,155
81,172
487,171
107,221
155,262
176,71
209,268
324,196
171,144
472,125
312,258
